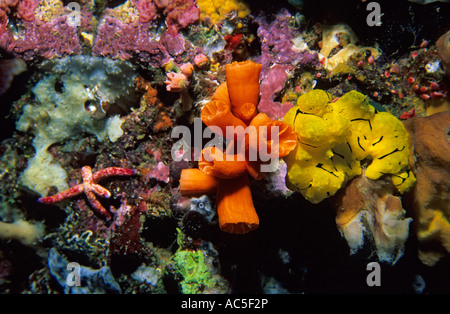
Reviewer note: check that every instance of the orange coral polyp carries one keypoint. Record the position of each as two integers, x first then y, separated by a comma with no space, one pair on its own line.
195,183
221,93
220,165
217,113
287,138
243,84
246,112
235,207
260,119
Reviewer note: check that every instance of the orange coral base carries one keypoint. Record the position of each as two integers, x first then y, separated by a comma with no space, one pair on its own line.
235,206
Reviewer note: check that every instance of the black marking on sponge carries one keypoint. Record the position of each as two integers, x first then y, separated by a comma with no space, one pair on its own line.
305,143
403,179
319,165
359,144
348,144
378,141
338,154
361,119
394,151
300,189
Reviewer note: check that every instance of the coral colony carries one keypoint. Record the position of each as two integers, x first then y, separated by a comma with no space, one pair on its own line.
212,146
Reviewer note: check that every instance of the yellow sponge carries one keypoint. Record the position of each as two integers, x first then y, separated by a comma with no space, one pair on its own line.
333,139
216,10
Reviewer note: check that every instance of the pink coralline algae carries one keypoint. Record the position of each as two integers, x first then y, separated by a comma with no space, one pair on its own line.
25,10
160,173
180,14
115,37
121,40
3,21
277,38
278,55
270,87
147,10
173,44
54,38
6,38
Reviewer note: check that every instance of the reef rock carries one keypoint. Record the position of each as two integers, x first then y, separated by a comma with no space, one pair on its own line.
8,69
79,95
339,45
91,281
429,159
443,49
367,210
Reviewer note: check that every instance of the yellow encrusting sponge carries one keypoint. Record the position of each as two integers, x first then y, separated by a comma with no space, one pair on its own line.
216,10
335,137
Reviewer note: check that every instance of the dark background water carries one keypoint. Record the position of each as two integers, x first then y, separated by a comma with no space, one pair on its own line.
404,23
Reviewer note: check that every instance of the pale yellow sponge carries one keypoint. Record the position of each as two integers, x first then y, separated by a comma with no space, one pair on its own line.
216,10
22,231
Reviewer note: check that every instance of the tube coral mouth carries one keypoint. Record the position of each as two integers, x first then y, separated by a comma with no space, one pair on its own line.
287,138
235,207
218,113
218,164
246,112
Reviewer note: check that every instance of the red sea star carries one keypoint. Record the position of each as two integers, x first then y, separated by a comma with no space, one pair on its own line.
90,188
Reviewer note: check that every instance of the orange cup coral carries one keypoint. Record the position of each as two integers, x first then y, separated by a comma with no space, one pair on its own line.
235,206
234,105
243,88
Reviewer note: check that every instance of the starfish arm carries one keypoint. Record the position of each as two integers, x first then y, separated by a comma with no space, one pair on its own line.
112,171
90,188
97,205
100,190
73,191
86,172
